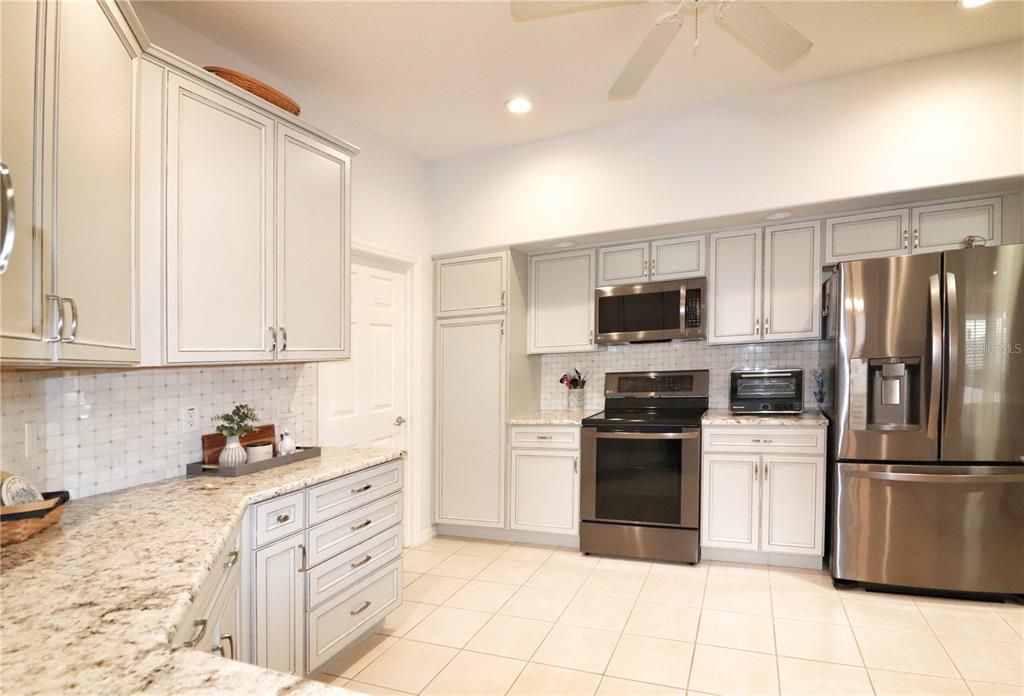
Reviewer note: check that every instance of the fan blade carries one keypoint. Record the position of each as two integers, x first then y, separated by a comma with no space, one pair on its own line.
763,32
647,55
526,10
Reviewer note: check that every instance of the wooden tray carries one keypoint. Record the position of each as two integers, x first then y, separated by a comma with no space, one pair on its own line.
19,522
201,469
213,443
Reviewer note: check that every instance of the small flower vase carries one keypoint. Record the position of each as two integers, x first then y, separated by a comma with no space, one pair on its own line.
233,455
575,399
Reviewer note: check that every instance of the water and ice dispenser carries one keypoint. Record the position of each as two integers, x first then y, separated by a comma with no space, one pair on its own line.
886,394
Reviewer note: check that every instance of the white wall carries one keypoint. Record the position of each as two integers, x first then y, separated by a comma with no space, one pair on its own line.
936,121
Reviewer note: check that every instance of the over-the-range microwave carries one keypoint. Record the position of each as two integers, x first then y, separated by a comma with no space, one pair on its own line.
663,311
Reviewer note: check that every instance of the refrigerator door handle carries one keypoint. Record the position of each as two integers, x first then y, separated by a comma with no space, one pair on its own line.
954,383
936,357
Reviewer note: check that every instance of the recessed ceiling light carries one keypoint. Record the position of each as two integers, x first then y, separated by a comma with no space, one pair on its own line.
519,105
781,215
971,4
564,244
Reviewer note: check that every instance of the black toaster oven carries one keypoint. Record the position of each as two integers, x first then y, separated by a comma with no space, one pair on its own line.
766,391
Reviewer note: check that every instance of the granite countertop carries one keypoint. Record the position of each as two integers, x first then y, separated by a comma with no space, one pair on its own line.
722,416
554,417
91,605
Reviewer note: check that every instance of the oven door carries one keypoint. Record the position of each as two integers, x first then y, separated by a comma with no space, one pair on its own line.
643,478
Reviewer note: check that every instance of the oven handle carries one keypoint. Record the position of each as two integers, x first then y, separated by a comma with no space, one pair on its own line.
639,436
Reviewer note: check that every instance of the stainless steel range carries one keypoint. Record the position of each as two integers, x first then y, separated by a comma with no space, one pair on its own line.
640,476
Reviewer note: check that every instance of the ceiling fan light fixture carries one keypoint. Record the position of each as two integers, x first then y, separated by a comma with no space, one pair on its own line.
971,4
519,105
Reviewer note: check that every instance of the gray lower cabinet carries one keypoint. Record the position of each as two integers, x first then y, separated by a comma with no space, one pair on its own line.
279,603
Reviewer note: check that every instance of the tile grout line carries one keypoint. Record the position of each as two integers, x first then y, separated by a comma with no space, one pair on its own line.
604,672
696,635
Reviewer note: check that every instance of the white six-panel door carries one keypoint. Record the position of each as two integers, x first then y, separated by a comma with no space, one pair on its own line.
730,501
793,503
734,287
792,300
561,312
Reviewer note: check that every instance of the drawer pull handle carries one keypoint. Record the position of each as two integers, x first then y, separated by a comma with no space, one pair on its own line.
360,610
231,644
232,559
362,489
543,437
283,518
198,635
361,525
363,562
763,441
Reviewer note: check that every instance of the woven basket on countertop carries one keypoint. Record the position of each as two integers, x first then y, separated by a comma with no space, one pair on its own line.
19,522
254,86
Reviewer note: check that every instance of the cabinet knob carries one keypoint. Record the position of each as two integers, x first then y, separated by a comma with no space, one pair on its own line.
283,518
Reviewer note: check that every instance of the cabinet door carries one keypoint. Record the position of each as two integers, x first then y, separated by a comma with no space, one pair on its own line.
734,287
626,263
219,238
947,226
792,282
470,378
312,248
730,501
225,620
677,258
867,235
545,491
279,605
468,285
90,195
561,310
793,504
23,311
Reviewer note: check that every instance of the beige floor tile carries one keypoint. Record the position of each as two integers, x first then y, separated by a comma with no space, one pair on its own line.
472,674
487,549
677,590
510,572
408,578
803,605
680,570
545,680
1014,616
989,689
432,589
572,647
401,620
442,545
510,636
613,686
526,552
799,579
416,561
975,622
733,672
903,651
624,565
458,566
808,678
746,599
726,629
357,688
481,596
558,577
903,684
884,612
363,653
449,626
653,660
407,666
664,621
571,558
614,583
537,603
595,611
739,574
987,660
817,641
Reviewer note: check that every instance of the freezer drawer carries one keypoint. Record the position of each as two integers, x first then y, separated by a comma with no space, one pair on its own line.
954,528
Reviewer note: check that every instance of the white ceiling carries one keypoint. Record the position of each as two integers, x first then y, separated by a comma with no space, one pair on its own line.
433,76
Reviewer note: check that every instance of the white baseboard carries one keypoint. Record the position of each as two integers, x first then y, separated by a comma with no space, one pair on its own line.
762,558
510,535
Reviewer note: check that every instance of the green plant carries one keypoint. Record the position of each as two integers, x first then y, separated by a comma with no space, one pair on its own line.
240,421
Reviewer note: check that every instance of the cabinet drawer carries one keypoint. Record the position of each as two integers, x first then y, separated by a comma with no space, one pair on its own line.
347,568
349,492
279,517
567,437
225,563
330,628
782,439
330,538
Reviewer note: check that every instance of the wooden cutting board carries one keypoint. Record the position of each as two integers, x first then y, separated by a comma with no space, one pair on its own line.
213,443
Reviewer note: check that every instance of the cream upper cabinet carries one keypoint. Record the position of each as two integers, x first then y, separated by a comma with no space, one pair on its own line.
625,263
561,302
220,239
945,226
312,248
469,378
734,287
470,285
677,258
793,504
867,235
792,278
730,501
545,490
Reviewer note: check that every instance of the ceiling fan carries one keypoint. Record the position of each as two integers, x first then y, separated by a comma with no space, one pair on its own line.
751,23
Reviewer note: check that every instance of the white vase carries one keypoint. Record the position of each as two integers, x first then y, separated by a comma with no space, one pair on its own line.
233,455
575,400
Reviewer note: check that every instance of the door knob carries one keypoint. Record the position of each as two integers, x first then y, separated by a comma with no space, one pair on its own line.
399,420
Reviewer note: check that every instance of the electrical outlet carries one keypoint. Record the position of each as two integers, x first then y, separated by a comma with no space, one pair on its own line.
30,440
189,419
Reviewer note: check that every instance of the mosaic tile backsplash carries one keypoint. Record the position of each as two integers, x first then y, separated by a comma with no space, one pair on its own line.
680,355
98,431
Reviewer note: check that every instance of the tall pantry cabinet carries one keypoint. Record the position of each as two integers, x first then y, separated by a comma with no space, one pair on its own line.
481,374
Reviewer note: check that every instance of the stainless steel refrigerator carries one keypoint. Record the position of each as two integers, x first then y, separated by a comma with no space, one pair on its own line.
928,420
